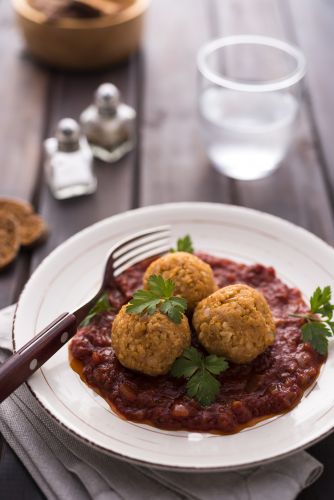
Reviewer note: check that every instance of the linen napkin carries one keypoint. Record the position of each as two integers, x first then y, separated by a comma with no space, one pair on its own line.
66,468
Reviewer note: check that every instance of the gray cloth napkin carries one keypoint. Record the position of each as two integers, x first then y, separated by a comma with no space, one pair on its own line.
66,468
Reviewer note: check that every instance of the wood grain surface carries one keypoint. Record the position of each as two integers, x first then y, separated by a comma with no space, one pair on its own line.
169,162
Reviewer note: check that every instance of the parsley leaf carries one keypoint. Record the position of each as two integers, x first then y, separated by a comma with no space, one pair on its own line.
101,305
204,387
161,287
320,298
200,371
318,325
316,334
215,365
158,297
174,308
187,364
184,244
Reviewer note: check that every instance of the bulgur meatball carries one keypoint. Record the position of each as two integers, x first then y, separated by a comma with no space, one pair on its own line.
235,322
192,277
148,344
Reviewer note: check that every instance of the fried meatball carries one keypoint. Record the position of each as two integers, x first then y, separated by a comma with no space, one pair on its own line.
192,277
148,344
235,322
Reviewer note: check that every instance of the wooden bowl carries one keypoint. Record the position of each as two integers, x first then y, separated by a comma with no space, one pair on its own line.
82,44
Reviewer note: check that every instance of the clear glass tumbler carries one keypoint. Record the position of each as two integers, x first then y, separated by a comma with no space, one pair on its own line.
249,94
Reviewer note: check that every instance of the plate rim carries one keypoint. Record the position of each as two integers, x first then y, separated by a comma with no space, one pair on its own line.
147,209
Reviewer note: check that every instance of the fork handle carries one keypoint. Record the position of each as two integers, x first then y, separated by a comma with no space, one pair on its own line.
18,368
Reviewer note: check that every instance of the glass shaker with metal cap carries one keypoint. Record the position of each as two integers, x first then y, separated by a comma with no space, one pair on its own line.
69,162
109,124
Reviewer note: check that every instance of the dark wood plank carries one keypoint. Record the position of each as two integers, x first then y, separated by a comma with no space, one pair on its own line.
173,162
313,29
297,191
70,94
23,91
15,481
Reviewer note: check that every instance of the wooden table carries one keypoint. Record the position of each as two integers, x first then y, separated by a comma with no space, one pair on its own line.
169,163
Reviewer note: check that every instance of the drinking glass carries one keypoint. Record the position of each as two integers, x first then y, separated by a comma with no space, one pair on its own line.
249,94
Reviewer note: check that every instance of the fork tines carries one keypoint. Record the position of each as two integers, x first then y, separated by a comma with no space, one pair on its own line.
140,246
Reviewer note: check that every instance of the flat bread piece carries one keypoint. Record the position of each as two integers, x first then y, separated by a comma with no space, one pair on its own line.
9,239
18,208
32,230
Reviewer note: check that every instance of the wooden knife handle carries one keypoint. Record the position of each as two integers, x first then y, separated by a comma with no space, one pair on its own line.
18,368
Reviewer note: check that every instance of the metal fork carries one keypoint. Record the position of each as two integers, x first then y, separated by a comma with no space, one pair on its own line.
124,254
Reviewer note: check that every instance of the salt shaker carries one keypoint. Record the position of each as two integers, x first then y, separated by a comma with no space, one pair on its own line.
69,162
109,124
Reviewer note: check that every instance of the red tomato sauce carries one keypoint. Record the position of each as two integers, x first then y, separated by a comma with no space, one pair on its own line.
270,385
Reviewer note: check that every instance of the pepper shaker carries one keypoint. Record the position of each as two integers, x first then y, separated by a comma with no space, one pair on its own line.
69,162
109,124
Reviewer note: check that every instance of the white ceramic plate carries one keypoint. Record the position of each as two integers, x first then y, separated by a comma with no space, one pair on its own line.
72,273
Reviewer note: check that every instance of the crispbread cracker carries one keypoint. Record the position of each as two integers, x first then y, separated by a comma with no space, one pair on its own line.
9,239
31,227
32,230
18,208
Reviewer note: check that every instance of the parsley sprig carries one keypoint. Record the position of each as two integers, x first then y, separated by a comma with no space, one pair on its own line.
158,297
101,305
200,371
318,325
184,244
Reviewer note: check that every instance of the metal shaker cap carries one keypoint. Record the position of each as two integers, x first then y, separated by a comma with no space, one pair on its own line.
107,98
68,135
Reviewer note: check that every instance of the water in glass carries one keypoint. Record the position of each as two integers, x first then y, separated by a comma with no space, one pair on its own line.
246,134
